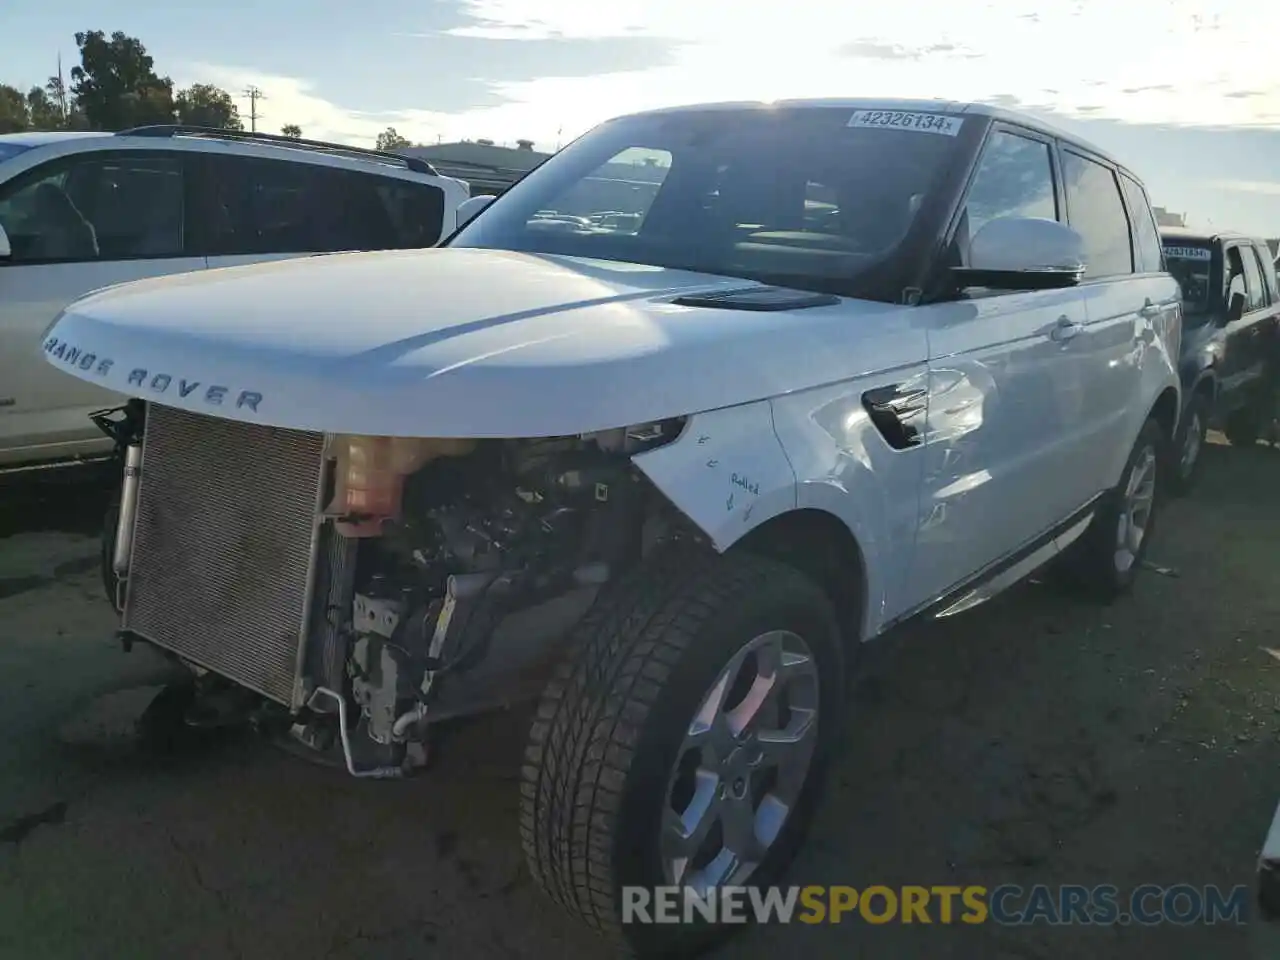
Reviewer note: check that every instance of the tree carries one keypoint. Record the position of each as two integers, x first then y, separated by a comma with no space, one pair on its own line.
73,117
204,105
292,130
116,84
13,110
45,114
389,140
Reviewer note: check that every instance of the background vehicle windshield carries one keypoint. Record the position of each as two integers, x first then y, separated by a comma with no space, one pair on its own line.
1189,264
793,196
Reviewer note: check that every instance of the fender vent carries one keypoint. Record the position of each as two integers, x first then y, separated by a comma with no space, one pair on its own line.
894,410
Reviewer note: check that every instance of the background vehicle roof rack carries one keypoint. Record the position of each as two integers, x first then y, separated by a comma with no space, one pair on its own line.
416,164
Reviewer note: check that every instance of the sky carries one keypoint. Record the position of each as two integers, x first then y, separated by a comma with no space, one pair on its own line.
1186,92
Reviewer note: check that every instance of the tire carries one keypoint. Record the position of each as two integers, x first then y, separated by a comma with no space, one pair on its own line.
1094,563
1184,459
611,726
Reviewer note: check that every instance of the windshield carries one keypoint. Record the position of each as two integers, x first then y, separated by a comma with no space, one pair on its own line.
1189,263
807,197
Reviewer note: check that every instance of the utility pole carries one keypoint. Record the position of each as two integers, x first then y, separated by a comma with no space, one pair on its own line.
254,95
61,92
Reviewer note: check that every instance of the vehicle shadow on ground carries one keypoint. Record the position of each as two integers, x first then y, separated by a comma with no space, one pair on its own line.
64,500
1036,740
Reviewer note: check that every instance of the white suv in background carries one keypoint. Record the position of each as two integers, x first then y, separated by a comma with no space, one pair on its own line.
81,211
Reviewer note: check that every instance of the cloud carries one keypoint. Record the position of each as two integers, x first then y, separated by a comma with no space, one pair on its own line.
1193,52
1267,187
1195,62
871,50
879,50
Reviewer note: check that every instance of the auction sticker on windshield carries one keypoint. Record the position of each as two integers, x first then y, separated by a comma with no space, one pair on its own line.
902,120
1188,253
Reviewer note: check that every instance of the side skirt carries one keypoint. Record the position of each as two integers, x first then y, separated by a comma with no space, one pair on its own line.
1004,573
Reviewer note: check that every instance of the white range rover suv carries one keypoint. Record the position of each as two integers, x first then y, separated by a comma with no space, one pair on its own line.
81,211
845,363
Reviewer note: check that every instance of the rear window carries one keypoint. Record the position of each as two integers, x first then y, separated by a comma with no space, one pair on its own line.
1189,263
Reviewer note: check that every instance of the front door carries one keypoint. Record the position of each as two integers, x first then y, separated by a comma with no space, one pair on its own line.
76,225
1004,395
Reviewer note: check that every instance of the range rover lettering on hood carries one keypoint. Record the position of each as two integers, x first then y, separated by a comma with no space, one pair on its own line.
149,381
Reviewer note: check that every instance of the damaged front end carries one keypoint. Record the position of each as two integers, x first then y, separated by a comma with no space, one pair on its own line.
354,588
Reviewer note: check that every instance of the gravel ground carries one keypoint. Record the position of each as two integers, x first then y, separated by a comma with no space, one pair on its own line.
1036,740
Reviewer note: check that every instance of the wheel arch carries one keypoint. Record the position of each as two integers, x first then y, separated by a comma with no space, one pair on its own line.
1206,382
822,547
1166,412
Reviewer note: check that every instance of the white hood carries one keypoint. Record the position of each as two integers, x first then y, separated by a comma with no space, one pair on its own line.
450,342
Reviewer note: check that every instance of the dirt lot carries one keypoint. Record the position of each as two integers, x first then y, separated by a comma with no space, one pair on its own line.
1036,740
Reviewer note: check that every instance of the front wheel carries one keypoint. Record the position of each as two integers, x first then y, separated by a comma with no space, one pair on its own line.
1189,443
1106,558
682,745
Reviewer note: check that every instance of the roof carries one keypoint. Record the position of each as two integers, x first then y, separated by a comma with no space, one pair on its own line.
201,139
481,154
1203,236
38,138
969,108
486,167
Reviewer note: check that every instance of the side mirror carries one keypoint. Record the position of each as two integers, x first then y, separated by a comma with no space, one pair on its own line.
6,251
1235,307
468,208
1023,253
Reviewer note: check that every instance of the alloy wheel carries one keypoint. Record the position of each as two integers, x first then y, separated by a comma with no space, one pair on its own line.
742,765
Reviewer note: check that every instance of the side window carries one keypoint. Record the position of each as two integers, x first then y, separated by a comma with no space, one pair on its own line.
102,206
279,206
1014,179
1097,214
1254,290
1267,271
1146,236
1235,276
415,210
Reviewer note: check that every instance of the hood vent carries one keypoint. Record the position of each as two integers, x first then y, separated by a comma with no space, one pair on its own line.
758,298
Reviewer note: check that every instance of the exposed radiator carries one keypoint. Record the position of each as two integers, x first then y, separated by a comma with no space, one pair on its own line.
225,546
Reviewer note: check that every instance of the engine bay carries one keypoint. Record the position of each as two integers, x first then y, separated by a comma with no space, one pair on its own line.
450,543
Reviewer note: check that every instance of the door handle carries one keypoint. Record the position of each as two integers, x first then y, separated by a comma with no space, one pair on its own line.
1149,310
1064,329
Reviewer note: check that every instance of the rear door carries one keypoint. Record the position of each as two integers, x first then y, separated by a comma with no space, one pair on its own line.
1127,295
77,224
259,209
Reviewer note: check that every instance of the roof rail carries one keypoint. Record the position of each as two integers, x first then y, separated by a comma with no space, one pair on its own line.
416,164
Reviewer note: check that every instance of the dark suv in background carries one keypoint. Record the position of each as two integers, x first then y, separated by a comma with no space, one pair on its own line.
1229,339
